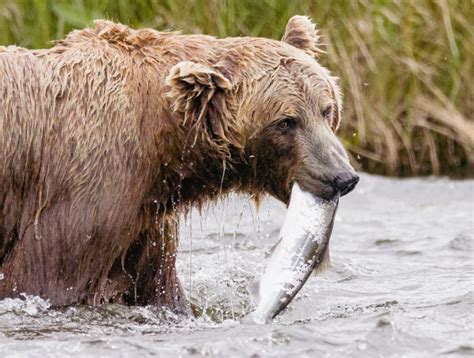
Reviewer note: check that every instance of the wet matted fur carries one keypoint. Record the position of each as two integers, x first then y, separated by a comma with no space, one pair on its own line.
108,135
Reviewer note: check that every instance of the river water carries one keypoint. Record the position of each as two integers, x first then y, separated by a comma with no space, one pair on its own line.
400,284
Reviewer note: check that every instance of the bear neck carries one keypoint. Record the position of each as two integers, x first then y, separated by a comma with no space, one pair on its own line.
191,172
199,176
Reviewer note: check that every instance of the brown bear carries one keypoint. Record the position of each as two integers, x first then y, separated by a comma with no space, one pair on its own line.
109,135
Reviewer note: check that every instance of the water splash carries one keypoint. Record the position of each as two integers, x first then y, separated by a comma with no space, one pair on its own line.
373,301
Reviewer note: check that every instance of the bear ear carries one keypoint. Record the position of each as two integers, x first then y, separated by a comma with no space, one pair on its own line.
301,33
198,92
194,75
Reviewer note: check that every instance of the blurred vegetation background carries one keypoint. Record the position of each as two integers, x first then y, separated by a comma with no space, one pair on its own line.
406,66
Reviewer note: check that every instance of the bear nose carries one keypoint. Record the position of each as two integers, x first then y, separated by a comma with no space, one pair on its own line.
345,182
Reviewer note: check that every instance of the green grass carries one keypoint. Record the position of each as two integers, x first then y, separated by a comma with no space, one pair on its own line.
406,66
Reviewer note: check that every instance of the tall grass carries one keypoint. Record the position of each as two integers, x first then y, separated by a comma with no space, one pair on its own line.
406,66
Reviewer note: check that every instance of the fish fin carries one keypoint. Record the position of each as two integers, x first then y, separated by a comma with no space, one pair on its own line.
324,265
254,290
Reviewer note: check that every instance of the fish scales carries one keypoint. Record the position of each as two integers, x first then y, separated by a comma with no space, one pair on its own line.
302,247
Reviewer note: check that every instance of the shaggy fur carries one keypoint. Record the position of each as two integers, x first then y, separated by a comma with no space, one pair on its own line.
111,132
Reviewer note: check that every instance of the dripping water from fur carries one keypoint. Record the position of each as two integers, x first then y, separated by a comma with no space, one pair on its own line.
399,285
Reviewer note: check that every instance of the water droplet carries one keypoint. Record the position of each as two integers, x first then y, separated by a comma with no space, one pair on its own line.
362,346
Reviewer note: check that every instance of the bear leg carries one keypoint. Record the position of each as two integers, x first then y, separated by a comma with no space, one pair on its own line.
149,270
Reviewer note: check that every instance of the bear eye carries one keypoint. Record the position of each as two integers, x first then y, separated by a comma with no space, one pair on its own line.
327,112
286,124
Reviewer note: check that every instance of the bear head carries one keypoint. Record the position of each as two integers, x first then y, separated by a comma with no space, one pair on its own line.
270,111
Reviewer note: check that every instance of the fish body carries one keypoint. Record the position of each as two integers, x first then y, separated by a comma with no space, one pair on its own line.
302,247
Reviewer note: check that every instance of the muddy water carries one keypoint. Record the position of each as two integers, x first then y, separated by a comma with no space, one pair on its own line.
400,284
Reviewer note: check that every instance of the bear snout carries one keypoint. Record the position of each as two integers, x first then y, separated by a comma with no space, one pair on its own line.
329,188
344,182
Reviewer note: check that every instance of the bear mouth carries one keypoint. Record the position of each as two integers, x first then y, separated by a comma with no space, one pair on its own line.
320,189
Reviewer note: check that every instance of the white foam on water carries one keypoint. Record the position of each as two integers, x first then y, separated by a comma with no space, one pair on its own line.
400,283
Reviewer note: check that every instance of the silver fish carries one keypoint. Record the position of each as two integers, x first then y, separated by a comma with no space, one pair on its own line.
302,248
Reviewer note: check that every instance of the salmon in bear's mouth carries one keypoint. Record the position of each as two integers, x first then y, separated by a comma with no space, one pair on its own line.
302,247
